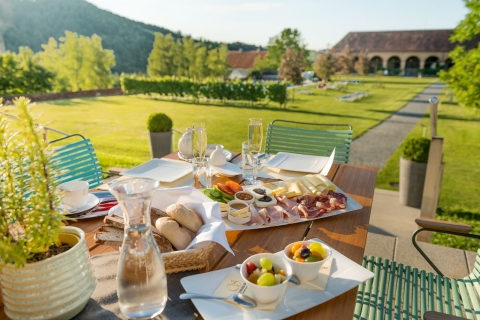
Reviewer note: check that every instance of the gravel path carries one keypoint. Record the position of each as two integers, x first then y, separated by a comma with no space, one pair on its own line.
378,144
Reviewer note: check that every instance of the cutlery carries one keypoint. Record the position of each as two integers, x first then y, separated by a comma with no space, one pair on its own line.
237,298
293,280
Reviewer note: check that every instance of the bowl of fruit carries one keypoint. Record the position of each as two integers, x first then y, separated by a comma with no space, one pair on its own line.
266,276
306,258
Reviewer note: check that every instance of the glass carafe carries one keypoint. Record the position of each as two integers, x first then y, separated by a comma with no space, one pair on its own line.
141,277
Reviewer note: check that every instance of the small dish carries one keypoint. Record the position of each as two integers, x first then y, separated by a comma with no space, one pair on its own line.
245,195
228,170
240,208
92,202
266,294
306,271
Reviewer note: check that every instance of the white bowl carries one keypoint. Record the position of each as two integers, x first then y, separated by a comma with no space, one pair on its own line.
245,192
238,220
306,271
263,294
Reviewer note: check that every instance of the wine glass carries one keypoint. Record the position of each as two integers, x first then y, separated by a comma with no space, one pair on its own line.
201,167
255,137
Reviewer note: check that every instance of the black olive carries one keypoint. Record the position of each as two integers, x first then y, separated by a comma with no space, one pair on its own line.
259,191
265,199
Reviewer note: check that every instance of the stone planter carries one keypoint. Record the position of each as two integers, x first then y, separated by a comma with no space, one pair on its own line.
160,143
54,288
412,179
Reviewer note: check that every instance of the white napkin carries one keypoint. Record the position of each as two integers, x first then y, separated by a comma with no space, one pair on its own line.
214,227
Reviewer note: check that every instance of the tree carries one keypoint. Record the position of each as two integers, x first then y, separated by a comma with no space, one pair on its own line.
161,59
345,61
361,66
324,66
217,62
189,50
79,62
291,67
464,75
200,69
277,46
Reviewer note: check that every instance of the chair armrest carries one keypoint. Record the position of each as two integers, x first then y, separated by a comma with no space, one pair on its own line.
116,170
443,225
434,315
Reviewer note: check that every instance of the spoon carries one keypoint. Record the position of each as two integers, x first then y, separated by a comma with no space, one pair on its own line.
293,279
237,298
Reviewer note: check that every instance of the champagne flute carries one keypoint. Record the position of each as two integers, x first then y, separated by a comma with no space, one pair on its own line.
201,168
255,138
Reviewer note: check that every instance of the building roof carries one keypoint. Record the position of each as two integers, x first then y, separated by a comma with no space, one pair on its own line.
244,59
414,41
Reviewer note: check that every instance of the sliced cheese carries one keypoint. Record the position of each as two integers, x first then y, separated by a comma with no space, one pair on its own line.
308,185
303,188
263,204
242,213
293,186
315,180
280,191
224,207
290,194
329,184
270,186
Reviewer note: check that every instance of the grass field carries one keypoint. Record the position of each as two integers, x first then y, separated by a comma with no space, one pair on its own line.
117,125
459,198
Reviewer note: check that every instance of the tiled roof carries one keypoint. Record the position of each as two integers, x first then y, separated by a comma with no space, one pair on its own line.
415,41
245,59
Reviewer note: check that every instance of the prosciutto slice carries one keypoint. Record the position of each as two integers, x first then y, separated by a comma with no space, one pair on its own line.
310,212
256,219
291,215
275,214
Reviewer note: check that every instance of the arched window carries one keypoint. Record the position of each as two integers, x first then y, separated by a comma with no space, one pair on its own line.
432,63
393,63
411,67
375,64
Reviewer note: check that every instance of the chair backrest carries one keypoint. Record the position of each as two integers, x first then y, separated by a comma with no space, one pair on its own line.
77,160
300,137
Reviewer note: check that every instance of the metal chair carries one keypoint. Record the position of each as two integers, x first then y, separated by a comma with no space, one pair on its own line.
77,160
405,292
305,138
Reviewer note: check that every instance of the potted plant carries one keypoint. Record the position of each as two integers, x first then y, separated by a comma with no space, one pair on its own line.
413,168
44,266
160,134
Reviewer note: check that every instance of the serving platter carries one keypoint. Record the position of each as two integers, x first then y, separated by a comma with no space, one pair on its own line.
297,162
163,170
345,275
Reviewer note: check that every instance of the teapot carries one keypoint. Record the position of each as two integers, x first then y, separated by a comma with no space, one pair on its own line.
185,144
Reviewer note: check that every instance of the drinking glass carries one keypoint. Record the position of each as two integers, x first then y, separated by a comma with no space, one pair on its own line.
247,163
201,167
141,276
255,138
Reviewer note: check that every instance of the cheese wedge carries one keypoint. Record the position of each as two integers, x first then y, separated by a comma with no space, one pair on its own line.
263,204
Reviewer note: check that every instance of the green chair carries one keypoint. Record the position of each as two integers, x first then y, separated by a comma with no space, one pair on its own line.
76,160
398,291
309,138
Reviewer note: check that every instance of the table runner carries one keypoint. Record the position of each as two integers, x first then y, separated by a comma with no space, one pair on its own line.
103,303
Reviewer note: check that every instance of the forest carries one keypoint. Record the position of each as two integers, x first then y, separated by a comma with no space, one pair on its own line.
31,23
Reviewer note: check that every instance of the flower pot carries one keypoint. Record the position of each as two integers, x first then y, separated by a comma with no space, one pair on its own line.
412,179
55,288
160,143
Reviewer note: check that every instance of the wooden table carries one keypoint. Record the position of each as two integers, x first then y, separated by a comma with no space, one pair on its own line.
347,233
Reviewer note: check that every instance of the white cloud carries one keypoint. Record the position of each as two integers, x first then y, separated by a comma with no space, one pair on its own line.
245,7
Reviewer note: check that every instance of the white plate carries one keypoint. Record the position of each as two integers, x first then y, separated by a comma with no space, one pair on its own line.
345,275
163,170
228,155
228,170
297,162
352,205
92,202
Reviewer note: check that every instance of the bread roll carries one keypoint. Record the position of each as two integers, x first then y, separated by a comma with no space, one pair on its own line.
170,229
186,217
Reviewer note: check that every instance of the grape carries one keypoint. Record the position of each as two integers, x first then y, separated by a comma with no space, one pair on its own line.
305,252
315,246
266,263
253,278
250,267
312,259
266,279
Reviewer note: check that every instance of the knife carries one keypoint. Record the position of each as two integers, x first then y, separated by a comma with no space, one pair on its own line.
327,167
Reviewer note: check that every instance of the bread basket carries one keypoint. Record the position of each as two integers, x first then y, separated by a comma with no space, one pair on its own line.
185,260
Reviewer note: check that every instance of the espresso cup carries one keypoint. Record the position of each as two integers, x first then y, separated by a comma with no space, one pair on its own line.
74,193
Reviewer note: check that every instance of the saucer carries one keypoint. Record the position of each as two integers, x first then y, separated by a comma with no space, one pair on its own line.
92,202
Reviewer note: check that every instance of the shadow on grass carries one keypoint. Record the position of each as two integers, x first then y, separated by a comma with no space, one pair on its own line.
81,101
64,103
263,107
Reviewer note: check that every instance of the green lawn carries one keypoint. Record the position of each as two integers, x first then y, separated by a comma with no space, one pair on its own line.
459,198
117,125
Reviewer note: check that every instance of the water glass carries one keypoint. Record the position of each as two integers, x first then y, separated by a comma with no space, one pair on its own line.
202,174
248,171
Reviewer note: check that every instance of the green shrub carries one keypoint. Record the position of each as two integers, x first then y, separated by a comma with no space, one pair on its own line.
416,149
159,122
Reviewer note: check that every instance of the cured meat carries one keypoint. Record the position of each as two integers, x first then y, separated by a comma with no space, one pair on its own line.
256,219
275,214
286,203
291,215
310,212
340,200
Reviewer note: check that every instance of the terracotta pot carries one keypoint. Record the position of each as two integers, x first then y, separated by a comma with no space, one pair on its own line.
412,179
55,288
160,143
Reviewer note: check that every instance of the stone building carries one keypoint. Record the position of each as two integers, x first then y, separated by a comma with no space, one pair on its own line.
403,52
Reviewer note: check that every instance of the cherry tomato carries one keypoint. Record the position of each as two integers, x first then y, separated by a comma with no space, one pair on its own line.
225,189
235,187
250,267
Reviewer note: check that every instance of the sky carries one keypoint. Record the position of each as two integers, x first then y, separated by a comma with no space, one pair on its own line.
322,23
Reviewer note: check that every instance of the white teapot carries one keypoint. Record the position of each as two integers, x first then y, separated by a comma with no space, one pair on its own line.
185,144
217,158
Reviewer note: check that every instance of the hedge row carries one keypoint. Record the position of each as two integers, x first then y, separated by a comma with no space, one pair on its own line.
239,91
